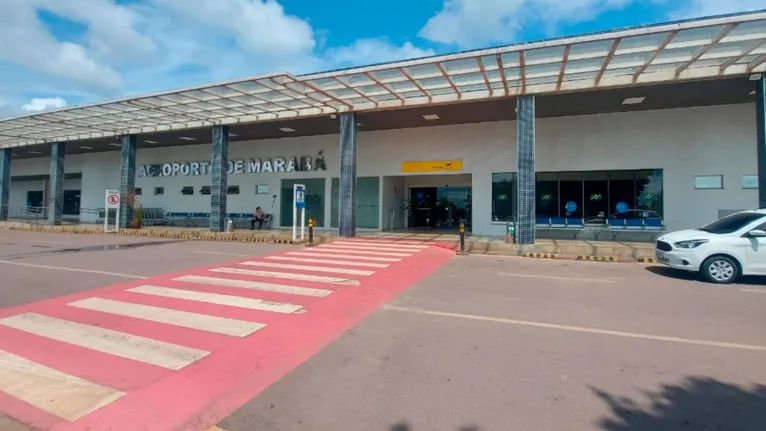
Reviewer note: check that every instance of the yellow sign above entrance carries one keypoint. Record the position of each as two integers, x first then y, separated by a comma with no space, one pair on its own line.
432,166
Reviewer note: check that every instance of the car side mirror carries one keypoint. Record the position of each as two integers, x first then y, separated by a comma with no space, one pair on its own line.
756,233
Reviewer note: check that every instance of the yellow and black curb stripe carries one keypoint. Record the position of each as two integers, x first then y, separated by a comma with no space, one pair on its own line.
647,260
541,255
599,258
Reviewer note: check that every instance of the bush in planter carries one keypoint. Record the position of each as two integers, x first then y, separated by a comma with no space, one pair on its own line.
138,218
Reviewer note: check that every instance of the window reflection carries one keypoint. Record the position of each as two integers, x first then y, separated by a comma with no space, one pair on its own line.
570,187
504,196
588,195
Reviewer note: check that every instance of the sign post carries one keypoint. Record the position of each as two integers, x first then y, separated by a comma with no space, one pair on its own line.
299,203
112,201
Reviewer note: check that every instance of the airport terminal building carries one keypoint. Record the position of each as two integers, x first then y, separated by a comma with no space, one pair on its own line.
667,118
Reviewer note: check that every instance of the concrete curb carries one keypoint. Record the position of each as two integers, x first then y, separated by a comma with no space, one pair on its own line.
599,258
541,255
145,233
647,260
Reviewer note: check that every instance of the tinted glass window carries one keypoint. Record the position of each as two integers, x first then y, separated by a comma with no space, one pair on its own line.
732,223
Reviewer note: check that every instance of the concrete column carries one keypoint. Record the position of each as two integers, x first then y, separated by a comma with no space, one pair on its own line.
760,109
219,178
5,182
525,156
56,184
347,191
127,179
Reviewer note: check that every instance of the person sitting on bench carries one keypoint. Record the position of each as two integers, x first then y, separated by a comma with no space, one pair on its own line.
259,217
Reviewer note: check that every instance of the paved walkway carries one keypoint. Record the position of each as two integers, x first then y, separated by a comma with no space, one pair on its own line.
566,249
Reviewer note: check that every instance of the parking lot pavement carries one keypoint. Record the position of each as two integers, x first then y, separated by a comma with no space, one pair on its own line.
491,343
36,265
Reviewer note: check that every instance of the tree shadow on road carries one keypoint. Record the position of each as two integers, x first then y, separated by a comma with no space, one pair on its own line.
697,403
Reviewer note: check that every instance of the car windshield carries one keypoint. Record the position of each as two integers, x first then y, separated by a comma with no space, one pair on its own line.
731,223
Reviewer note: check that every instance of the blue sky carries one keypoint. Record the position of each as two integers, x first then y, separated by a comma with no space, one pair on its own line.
66,52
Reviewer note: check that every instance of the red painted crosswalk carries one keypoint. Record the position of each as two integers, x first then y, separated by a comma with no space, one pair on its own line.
180,351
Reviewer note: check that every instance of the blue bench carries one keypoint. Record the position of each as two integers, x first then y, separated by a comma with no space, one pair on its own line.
561,224
640,227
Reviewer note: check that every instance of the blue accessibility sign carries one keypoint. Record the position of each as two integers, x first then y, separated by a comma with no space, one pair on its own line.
300,197
622,207
571,206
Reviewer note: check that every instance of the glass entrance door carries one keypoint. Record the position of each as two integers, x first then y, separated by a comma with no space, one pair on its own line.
453,207
440,207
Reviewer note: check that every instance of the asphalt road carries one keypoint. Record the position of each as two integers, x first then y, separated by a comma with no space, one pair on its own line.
514,344
484,343
36,266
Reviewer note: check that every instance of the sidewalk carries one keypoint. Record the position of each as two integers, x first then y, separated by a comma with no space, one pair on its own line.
550,249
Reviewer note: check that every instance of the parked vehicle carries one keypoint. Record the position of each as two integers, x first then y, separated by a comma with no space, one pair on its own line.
721,251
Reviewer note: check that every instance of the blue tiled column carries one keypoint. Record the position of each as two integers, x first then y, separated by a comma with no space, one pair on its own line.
760,109
347,189
525,154
127,179
5,182
56,189
219,178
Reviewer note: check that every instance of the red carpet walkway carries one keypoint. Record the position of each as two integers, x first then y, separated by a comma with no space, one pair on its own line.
181,351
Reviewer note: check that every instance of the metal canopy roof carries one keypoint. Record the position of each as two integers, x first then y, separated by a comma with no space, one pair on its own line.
689,50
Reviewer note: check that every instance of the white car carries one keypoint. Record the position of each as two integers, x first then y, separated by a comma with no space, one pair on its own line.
721,251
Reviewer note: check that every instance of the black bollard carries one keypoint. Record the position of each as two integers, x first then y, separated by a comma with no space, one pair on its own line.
311,233
462,251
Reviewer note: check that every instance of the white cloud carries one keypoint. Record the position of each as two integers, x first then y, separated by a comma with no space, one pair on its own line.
128,48
368,51
27,42
472,23
35,105
698,8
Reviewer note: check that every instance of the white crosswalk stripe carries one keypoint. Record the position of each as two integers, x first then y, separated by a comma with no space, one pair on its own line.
108,341
288,275
216,298
337,262
382,245
347,271
203,322
345,256
372,247
383,241
255,285
60,394
355,250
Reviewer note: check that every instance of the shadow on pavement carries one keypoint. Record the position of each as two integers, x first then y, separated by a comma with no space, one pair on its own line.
403,426
691,276
698,403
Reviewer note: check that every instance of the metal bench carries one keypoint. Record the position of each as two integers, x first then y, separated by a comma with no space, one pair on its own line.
567,225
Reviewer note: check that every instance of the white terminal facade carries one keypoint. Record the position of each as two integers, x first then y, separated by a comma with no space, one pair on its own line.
668,118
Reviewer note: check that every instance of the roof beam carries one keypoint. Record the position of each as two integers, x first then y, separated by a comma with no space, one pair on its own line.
326,94
608,60
523,72
502,73
755,63
358,93
484,75
744,54
385,86
721,34
654,55
449,80
416,84
563,69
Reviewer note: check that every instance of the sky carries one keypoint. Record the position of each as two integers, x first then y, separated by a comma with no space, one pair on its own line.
56,53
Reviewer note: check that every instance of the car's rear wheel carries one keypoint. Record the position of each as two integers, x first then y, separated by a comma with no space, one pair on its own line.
720,269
